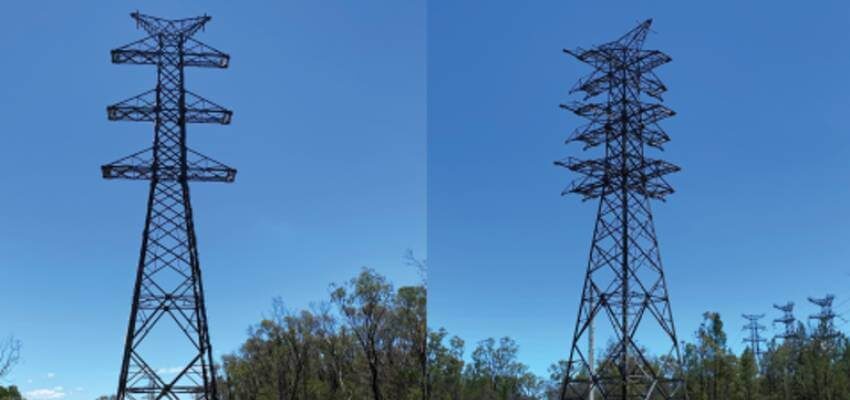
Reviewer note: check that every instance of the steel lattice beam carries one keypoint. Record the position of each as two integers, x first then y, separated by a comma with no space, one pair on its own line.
168,279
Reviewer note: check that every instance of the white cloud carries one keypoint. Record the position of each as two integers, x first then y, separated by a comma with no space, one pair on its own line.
51,375
46,394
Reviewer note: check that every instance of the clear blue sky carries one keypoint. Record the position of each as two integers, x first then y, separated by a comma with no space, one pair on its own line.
761,213
328,136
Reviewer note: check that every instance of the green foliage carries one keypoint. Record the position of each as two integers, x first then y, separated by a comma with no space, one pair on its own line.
810,366
368,342
493,373
10,393
371,341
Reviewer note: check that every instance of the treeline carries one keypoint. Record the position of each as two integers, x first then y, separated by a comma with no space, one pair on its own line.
813,365
367,341
493,371
10,393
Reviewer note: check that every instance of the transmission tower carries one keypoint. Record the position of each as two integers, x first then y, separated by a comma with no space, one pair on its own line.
788,320
168,318
754,340
826,326
624,283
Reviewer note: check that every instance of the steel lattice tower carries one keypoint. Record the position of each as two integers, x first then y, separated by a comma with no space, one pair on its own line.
826,326
168,281
787,319
754,340
625,282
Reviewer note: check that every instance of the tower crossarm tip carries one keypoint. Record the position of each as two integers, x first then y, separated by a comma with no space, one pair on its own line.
588,110
591,135
648,60
655,112
595,84
141,52
200,110
596,58
823,302
141,107
200,54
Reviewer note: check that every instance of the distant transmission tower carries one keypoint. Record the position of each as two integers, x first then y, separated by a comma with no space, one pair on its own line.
168,319
754,340
826,326
788,320
625,283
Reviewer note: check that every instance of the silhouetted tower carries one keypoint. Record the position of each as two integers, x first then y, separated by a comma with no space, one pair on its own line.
168,319
788,320
754,340
826,327
625,283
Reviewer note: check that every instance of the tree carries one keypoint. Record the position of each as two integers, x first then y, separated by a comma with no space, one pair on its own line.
10,354
369,341
10,393
364,302
748,376
709,364
495,373
445,366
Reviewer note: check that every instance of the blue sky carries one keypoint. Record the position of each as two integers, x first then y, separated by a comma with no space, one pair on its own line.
761,211
328,136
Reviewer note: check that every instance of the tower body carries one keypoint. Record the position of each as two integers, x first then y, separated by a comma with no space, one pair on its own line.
787,320
168,319
754,340
825,330
625,293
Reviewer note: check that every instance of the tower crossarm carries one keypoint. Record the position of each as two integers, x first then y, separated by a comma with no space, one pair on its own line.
144,108
149,51
600,177
140,166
